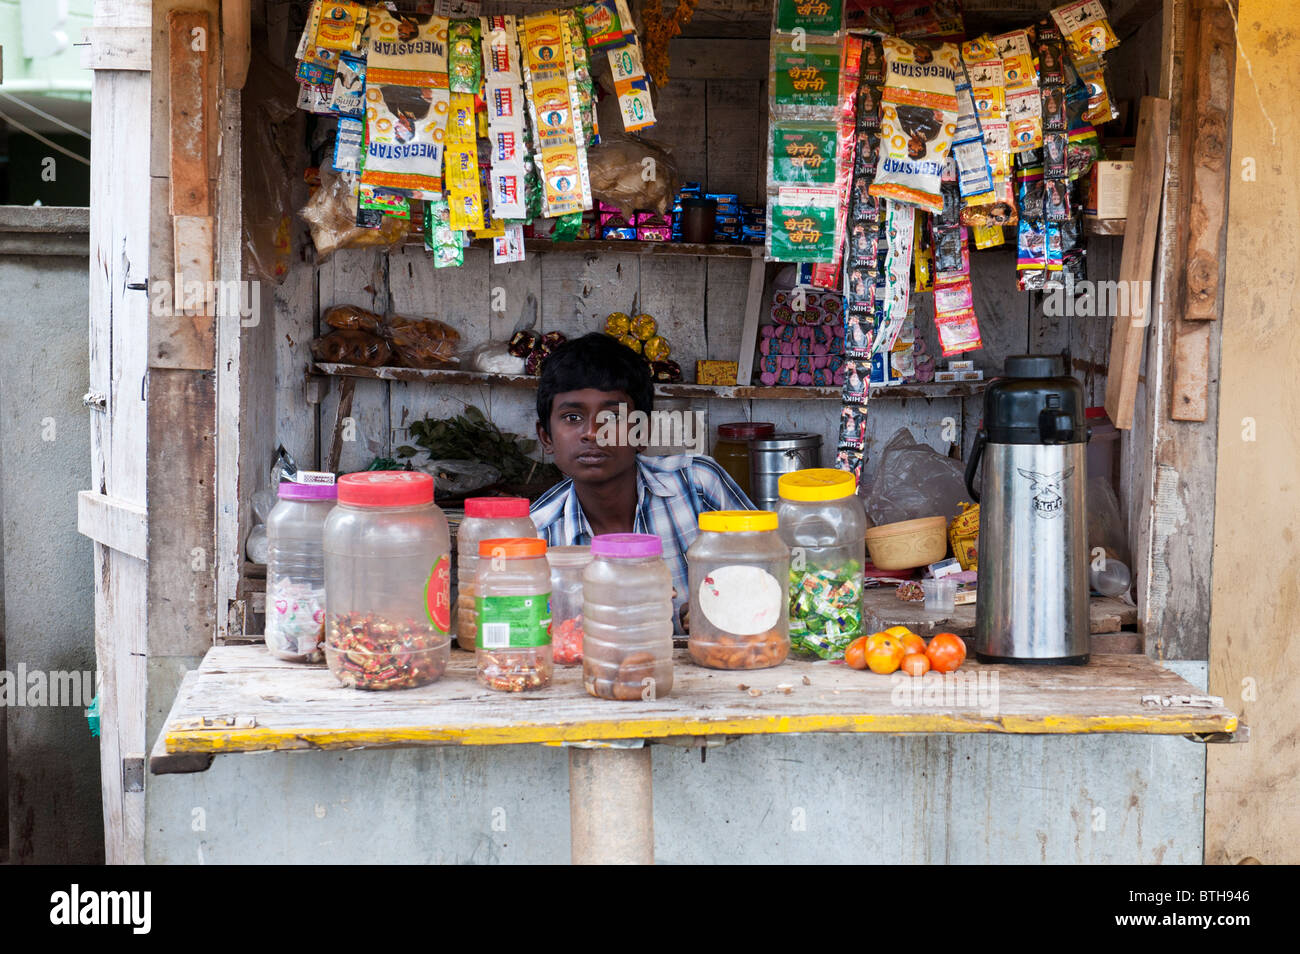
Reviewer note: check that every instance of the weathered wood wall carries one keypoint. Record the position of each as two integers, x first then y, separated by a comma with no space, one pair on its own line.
713,114
1252,796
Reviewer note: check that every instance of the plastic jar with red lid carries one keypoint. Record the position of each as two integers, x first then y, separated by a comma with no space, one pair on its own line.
387,582
732,448
485,517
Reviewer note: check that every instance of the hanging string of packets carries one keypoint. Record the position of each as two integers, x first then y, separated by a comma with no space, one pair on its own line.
487,120
942,135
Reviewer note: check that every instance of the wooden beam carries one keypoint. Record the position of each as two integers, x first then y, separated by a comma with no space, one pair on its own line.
1129,327
189,42
749,332
116,523
236,46
1209,68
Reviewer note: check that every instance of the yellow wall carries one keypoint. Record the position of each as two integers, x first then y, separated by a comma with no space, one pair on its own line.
1253,790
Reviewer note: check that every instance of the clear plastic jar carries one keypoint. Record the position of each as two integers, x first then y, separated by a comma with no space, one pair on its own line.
485,518
514,614
567,564
387,582
739,569
824,524
627,609
295,570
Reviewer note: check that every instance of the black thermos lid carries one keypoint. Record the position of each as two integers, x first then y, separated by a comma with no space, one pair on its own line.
1035,402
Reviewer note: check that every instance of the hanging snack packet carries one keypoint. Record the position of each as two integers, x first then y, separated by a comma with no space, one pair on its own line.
464,195
1017,60
801,225
348,143
958,333
606,23
813,17
464,67
506,110
805,81
631,87
439,238
802,153
583,85
406,102
1085,27
1024,113
918,119
349,94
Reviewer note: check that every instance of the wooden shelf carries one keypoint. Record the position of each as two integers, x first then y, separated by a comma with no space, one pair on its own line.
739,392
242,699
624,247
1103,226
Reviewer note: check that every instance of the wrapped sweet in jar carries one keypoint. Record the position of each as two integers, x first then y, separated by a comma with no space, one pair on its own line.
567,566
514,614
387,582
739,568
824,524
485,517
627,610
295,570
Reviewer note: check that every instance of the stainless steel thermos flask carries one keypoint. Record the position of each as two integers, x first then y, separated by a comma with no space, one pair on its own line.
1032,591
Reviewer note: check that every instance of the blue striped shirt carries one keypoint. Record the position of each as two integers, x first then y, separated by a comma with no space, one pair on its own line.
671,493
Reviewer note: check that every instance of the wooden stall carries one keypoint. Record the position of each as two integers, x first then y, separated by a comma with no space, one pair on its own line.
203,393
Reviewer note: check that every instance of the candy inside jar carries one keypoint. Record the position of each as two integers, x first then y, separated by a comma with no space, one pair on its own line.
567,565
366,651
514,615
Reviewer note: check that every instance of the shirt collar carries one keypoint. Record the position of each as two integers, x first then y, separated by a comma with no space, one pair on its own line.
652,471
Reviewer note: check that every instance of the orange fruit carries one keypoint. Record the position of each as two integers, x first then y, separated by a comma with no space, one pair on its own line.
916,664
855,655
914,644
947,651
898,631
884,653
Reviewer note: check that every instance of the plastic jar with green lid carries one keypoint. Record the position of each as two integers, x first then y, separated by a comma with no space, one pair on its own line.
514,614
824,524
739,568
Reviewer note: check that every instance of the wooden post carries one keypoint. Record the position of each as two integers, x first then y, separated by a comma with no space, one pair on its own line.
611,806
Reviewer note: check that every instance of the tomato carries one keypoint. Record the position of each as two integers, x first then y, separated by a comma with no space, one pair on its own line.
913,644
947,652
897,631
855,656
916,664
884,653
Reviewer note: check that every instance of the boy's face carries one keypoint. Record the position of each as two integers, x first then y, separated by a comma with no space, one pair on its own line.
583,449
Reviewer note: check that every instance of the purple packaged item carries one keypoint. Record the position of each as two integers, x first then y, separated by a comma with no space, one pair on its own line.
288,490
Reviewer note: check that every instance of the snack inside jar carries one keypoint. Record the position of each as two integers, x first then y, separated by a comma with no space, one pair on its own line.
738,571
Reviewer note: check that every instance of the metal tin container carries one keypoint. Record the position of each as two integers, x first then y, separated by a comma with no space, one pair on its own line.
779,454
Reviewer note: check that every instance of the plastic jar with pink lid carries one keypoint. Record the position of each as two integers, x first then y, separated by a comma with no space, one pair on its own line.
295,570
387,582
485,518
627,617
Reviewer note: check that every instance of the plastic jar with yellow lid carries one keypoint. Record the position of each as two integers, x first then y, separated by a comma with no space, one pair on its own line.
738,572
824,524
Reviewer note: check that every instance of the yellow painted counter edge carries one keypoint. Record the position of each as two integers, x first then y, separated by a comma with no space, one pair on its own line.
267,739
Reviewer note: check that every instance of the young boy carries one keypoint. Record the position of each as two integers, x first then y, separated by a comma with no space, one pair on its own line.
609,486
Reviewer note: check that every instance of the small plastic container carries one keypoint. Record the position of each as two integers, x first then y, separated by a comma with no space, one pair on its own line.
514,614
731,449
295,571
940,595
567,566
387,582
485,517
739,572
627,612
823,522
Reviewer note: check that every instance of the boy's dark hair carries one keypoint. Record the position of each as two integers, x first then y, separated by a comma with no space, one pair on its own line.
594,361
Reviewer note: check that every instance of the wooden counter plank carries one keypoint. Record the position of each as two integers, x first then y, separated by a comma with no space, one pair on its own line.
882,609
254,702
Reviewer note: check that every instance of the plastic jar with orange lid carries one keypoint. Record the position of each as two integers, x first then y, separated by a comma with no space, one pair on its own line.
514,614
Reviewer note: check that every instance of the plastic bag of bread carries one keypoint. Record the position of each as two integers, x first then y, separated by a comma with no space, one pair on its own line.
352,318
331,213
632,173
352,346
423,342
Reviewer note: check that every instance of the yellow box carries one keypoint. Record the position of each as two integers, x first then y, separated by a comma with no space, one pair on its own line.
716,372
